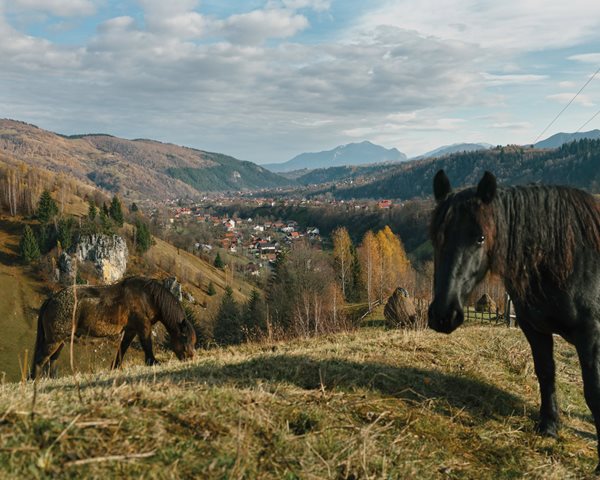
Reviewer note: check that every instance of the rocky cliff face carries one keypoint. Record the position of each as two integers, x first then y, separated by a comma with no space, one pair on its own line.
108,254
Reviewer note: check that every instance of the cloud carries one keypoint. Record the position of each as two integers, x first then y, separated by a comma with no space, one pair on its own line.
512,79
586,58
257,26
566,97
510,25
512,125
61,8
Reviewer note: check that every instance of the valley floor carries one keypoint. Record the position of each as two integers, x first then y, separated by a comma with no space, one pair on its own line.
370,404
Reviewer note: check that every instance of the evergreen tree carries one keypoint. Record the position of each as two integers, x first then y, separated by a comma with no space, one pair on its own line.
134,207
46,238
65,232
143,237
105,209
47,208
280,292
116,211
106,224
219,261
211,289
254,318
228,325
356,288
28,246
92,211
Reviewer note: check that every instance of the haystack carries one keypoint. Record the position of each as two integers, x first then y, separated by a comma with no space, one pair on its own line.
485,304
399,311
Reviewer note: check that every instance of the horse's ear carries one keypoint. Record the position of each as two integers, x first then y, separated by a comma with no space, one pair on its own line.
441,186
486,189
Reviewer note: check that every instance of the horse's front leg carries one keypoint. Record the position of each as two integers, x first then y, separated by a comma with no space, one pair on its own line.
543,360
588,350
128,336
146,341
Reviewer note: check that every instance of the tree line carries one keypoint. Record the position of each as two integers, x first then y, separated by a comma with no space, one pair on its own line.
312,292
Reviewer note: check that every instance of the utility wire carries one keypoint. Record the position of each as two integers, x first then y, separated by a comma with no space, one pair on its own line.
593,116
568,104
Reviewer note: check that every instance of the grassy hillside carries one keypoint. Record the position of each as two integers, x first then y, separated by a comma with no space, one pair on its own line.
372,404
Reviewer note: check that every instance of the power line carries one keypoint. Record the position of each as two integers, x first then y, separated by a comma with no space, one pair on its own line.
593,116
567,105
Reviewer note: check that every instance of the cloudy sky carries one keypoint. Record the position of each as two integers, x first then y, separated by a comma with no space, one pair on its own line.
264,80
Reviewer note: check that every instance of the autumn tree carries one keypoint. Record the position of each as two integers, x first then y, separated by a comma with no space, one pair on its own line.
342,255
370,263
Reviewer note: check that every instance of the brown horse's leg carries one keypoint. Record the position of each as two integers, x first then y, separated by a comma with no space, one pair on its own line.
146,341
128,336
43,358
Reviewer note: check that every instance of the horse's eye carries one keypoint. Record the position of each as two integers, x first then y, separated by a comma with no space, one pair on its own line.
480,240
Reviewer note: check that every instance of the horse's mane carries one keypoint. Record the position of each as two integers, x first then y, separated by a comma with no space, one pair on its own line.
536,230
167,303
539,229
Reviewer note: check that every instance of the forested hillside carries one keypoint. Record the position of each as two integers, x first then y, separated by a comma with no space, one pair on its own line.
574,164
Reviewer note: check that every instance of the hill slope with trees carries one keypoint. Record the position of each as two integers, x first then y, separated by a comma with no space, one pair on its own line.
574,164
133,168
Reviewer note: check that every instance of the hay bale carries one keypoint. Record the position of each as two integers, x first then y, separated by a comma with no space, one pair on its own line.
399,311
485,304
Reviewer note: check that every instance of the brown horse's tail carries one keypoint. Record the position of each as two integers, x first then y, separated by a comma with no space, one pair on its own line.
40,340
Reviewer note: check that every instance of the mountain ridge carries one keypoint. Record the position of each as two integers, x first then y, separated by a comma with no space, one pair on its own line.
350,154
140,168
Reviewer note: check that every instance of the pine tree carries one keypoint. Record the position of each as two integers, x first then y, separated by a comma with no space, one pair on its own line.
219,261
255,316
92,211
228,325
47,208
106,224
28,246
134,208
116,211
105,209
211,289
143,237
65,232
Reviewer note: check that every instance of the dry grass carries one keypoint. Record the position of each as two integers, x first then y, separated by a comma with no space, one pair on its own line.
371,404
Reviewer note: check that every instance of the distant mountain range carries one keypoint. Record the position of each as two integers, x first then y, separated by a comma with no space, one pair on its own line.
575,164
454,148
135,168
561,138
363,153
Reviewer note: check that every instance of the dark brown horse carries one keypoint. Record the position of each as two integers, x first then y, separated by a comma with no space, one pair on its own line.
129,307
545,242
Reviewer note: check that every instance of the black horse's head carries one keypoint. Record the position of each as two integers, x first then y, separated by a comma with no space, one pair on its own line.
462,233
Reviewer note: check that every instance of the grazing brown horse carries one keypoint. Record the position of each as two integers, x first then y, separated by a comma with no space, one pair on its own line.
545,243
129,307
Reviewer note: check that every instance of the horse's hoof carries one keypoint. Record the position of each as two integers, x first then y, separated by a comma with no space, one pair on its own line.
548,429
152,361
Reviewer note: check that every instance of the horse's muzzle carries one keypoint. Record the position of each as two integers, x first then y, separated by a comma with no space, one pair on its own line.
447,320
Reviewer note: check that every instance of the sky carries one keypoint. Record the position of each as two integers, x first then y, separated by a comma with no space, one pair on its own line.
265,80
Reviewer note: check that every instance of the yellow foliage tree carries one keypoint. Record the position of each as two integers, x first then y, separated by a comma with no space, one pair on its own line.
370,262
342,255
